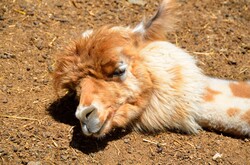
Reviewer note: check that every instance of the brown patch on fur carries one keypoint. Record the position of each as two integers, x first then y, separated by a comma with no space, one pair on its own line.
178,77
209,94
246,116
180,114
233,112
240,89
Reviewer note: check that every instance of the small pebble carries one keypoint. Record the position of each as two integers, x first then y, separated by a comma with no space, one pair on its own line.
5,100
137,2
59,5
1,18
4,153
39,45
40,60
30,13
45,56
7,56
217,156
46,134
1,150
12,138
60,19
35,102
126,140
64,157
19,78
50,69
159,148
9,85
45,82
35,23
15,149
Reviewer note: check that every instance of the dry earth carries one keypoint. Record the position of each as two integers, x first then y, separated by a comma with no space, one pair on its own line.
37,127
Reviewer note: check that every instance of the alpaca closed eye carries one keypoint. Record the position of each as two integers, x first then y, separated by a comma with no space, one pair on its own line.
119,72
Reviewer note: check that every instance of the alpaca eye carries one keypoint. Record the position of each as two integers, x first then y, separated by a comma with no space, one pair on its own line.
120,71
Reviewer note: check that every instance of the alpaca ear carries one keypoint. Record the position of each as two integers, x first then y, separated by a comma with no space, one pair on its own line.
161,23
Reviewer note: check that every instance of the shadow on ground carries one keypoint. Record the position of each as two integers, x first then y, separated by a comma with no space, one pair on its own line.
63,110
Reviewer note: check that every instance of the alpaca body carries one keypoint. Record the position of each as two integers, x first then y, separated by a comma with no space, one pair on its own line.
132,77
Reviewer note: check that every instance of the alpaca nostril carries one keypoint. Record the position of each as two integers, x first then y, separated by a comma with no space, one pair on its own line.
87,115
88,111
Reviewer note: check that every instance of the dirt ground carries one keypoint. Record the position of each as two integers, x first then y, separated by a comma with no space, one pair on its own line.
37,127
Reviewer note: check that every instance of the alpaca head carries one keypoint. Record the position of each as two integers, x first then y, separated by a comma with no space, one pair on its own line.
106,70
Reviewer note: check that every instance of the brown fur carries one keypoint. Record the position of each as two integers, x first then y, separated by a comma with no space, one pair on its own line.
178,77
233,112
246,117
209,95
240,89
92,57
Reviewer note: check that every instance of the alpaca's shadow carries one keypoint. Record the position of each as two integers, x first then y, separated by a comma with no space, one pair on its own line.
63,110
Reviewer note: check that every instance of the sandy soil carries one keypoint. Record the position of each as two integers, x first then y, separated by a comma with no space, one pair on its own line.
37,127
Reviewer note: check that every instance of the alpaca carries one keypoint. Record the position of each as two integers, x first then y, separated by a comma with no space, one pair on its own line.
132,77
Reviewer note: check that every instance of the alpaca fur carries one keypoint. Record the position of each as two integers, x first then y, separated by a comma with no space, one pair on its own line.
132,77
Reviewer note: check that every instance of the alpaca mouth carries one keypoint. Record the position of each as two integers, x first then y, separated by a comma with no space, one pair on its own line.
97,132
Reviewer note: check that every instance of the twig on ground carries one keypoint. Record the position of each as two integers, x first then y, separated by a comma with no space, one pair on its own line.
118,151
18,117
71,129
74,151
152,142
243,69
202,53
28,124
52,41
75,5
55,144
191,144
20,12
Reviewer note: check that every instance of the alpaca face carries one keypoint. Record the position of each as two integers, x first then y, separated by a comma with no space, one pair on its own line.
109,94
105,88
105,69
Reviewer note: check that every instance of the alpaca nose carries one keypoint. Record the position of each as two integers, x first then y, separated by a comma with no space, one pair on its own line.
83,113
88,117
